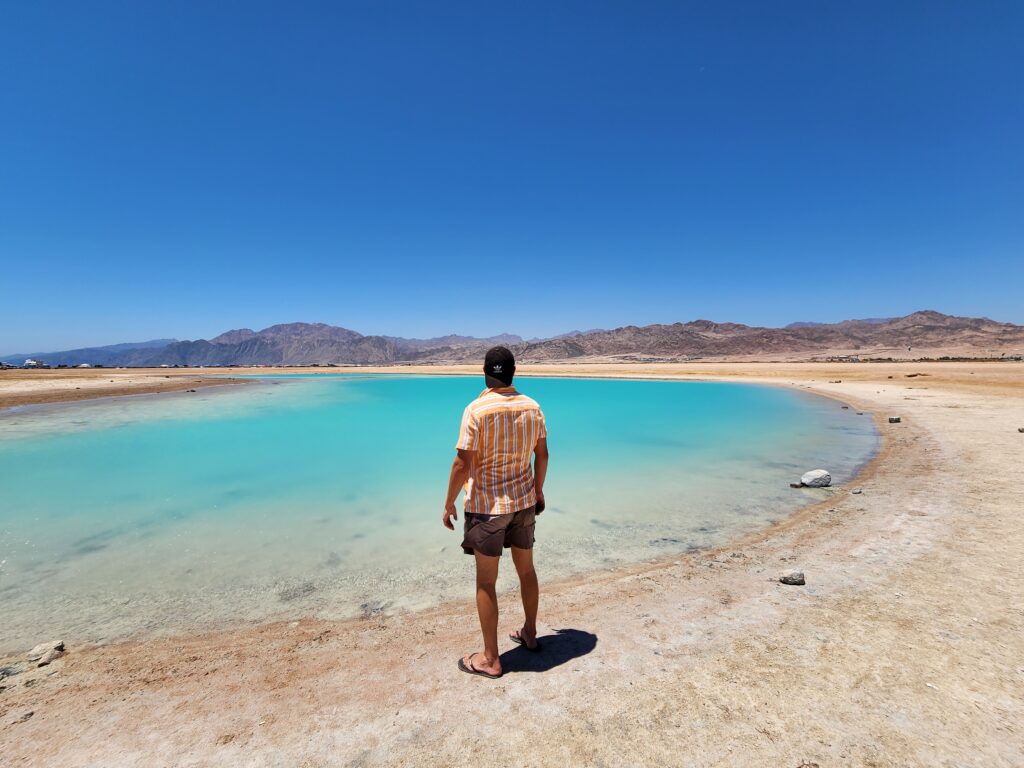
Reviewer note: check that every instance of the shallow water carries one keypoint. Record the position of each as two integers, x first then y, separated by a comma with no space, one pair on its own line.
322,495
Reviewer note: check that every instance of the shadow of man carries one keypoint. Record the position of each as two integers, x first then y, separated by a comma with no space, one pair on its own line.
564,645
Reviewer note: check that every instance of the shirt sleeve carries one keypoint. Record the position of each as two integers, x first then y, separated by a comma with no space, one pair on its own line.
542,427
468,432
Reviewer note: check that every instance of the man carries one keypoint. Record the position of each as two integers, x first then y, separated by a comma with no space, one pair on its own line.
501,431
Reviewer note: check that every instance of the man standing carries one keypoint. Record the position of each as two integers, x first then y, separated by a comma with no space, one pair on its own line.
501,431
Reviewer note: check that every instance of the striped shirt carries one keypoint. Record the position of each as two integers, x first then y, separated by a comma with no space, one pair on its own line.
502,428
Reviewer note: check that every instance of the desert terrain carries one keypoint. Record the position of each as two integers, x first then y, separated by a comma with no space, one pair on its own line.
904,647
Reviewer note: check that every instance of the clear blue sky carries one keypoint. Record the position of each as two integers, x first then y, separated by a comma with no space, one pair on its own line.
181,168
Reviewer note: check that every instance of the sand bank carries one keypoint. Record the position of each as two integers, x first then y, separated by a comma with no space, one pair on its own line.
34,387
904,647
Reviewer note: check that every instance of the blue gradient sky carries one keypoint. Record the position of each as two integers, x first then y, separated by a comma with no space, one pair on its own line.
178,169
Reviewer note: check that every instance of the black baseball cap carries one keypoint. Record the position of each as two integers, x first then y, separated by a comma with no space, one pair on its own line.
499,365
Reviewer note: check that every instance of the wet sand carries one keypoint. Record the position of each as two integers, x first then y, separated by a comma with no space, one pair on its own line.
20,387
905,646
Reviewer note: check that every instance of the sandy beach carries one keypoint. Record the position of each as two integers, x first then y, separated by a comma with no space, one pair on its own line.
36,387
904,648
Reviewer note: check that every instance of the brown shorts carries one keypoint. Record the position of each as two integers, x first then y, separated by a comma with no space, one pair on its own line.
487,534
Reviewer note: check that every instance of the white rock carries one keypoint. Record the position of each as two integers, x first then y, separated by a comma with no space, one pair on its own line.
792,576
857,491
51,655
816,478
44,648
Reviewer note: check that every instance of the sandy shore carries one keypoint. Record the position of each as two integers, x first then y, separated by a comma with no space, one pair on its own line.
30,387
906,646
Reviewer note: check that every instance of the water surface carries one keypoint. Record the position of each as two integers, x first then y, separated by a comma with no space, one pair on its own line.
322,495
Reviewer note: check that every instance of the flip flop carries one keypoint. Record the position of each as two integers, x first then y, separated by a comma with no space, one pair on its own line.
474,671
515,637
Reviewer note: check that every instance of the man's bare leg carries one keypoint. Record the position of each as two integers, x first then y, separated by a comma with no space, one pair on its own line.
487,607
530,590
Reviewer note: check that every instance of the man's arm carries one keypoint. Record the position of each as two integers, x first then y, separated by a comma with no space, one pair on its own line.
540,467
459,476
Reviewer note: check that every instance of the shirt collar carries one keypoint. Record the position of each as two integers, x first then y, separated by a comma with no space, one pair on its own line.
509,390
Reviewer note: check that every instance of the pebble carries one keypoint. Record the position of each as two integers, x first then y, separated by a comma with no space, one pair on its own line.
51,655
857,490
25,717
43,649
1020,429
792,576
894,419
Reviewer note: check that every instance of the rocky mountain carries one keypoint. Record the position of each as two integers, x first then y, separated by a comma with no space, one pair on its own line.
456,342
314,344
921,334
812,324
107,355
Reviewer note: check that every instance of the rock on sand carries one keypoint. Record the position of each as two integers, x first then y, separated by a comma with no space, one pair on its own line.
792,576
44,653
816,478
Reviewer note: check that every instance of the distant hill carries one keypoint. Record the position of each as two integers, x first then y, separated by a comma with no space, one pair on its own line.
287,344
456,342
921,334
811,324
107,355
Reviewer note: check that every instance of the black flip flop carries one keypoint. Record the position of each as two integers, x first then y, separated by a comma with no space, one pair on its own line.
515,637
474,671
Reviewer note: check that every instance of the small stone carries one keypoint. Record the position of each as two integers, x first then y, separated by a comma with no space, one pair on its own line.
816,478
1020,429
846,407
857,491
11,670
894,419
793,577
24,718
51,655
44,648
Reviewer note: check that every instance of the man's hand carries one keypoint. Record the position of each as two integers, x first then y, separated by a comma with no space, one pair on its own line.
540,500
460,474
450,513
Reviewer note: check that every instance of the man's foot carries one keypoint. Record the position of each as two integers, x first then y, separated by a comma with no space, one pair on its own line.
526,639
477,664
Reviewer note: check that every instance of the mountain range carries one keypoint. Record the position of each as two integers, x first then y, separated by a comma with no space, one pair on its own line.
921,334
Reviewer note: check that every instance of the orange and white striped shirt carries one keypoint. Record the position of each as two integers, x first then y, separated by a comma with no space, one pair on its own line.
502,428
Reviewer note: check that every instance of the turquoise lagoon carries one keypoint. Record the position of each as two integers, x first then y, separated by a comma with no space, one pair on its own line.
322,495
